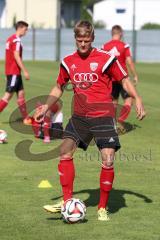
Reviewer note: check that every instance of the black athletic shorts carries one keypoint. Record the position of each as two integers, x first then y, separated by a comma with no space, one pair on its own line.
83,129
118,89
14,83
55,132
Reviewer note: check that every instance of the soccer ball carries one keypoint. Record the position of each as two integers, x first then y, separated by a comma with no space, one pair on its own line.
73,210
3,136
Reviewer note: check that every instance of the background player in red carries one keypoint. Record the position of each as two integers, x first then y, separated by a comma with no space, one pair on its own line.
13,67
122,52
52,125
91,72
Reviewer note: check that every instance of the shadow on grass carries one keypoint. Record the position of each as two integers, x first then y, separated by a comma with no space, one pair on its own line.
116,199
60,218
128,127
54,218
14,121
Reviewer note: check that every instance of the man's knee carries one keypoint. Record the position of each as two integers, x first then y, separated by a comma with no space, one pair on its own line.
7,96
65,154
107,160
67,149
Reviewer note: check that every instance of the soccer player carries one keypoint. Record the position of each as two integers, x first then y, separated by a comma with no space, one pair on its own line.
13,67
121,51
90,71
52,125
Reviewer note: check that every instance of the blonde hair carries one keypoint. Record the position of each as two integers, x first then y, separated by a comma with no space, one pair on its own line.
83,29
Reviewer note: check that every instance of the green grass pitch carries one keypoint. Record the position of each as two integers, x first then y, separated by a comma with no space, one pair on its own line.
135,199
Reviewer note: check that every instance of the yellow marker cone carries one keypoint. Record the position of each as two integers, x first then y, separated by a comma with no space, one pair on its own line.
45,184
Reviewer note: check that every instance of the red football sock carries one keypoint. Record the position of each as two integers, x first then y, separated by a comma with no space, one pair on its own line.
124,113
67,174
36,127
46,126
106,181
3,104
22,107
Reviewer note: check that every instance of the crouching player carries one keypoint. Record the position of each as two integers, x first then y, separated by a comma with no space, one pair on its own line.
52,125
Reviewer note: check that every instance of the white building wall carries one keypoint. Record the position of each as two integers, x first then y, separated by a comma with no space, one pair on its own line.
40,13
146,11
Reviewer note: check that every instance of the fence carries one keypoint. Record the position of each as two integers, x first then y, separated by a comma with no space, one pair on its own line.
40,44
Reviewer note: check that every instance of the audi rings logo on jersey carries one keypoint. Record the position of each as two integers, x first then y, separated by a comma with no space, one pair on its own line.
85,77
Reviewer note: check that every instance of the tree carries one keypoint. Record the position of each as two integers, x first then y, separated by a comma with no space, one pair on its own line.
99,24
148,26
86,12
14,20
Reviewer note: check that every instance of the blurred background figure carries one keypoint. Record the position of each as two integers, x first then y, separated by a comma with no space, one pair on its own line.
13,67
122,52
52,125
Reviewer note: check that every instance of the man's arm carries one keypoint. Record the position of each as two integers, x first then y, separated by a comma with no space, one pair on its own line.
117,72
132,68
128,86
53,97
21,65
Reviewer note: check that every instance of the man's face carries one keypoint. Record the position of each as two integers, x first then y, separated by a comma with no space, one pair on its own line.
23,31
84,44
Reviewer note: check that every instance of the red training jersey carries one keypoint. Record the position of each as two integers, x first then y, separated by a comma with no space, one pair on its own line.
13,43
91,79
119,49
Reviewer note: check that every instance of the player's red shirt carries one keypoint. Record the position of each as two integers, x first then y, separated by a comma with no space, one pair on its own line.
91,81
119,49
13,43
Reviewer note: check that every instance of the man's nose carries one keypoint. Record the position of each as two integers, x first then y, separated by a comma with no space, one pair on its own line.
83,43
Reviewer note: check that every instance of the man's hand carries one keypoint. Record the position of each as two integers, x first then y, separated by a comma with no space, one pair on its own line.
140,108
128,86
135,80
40,113
26,75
